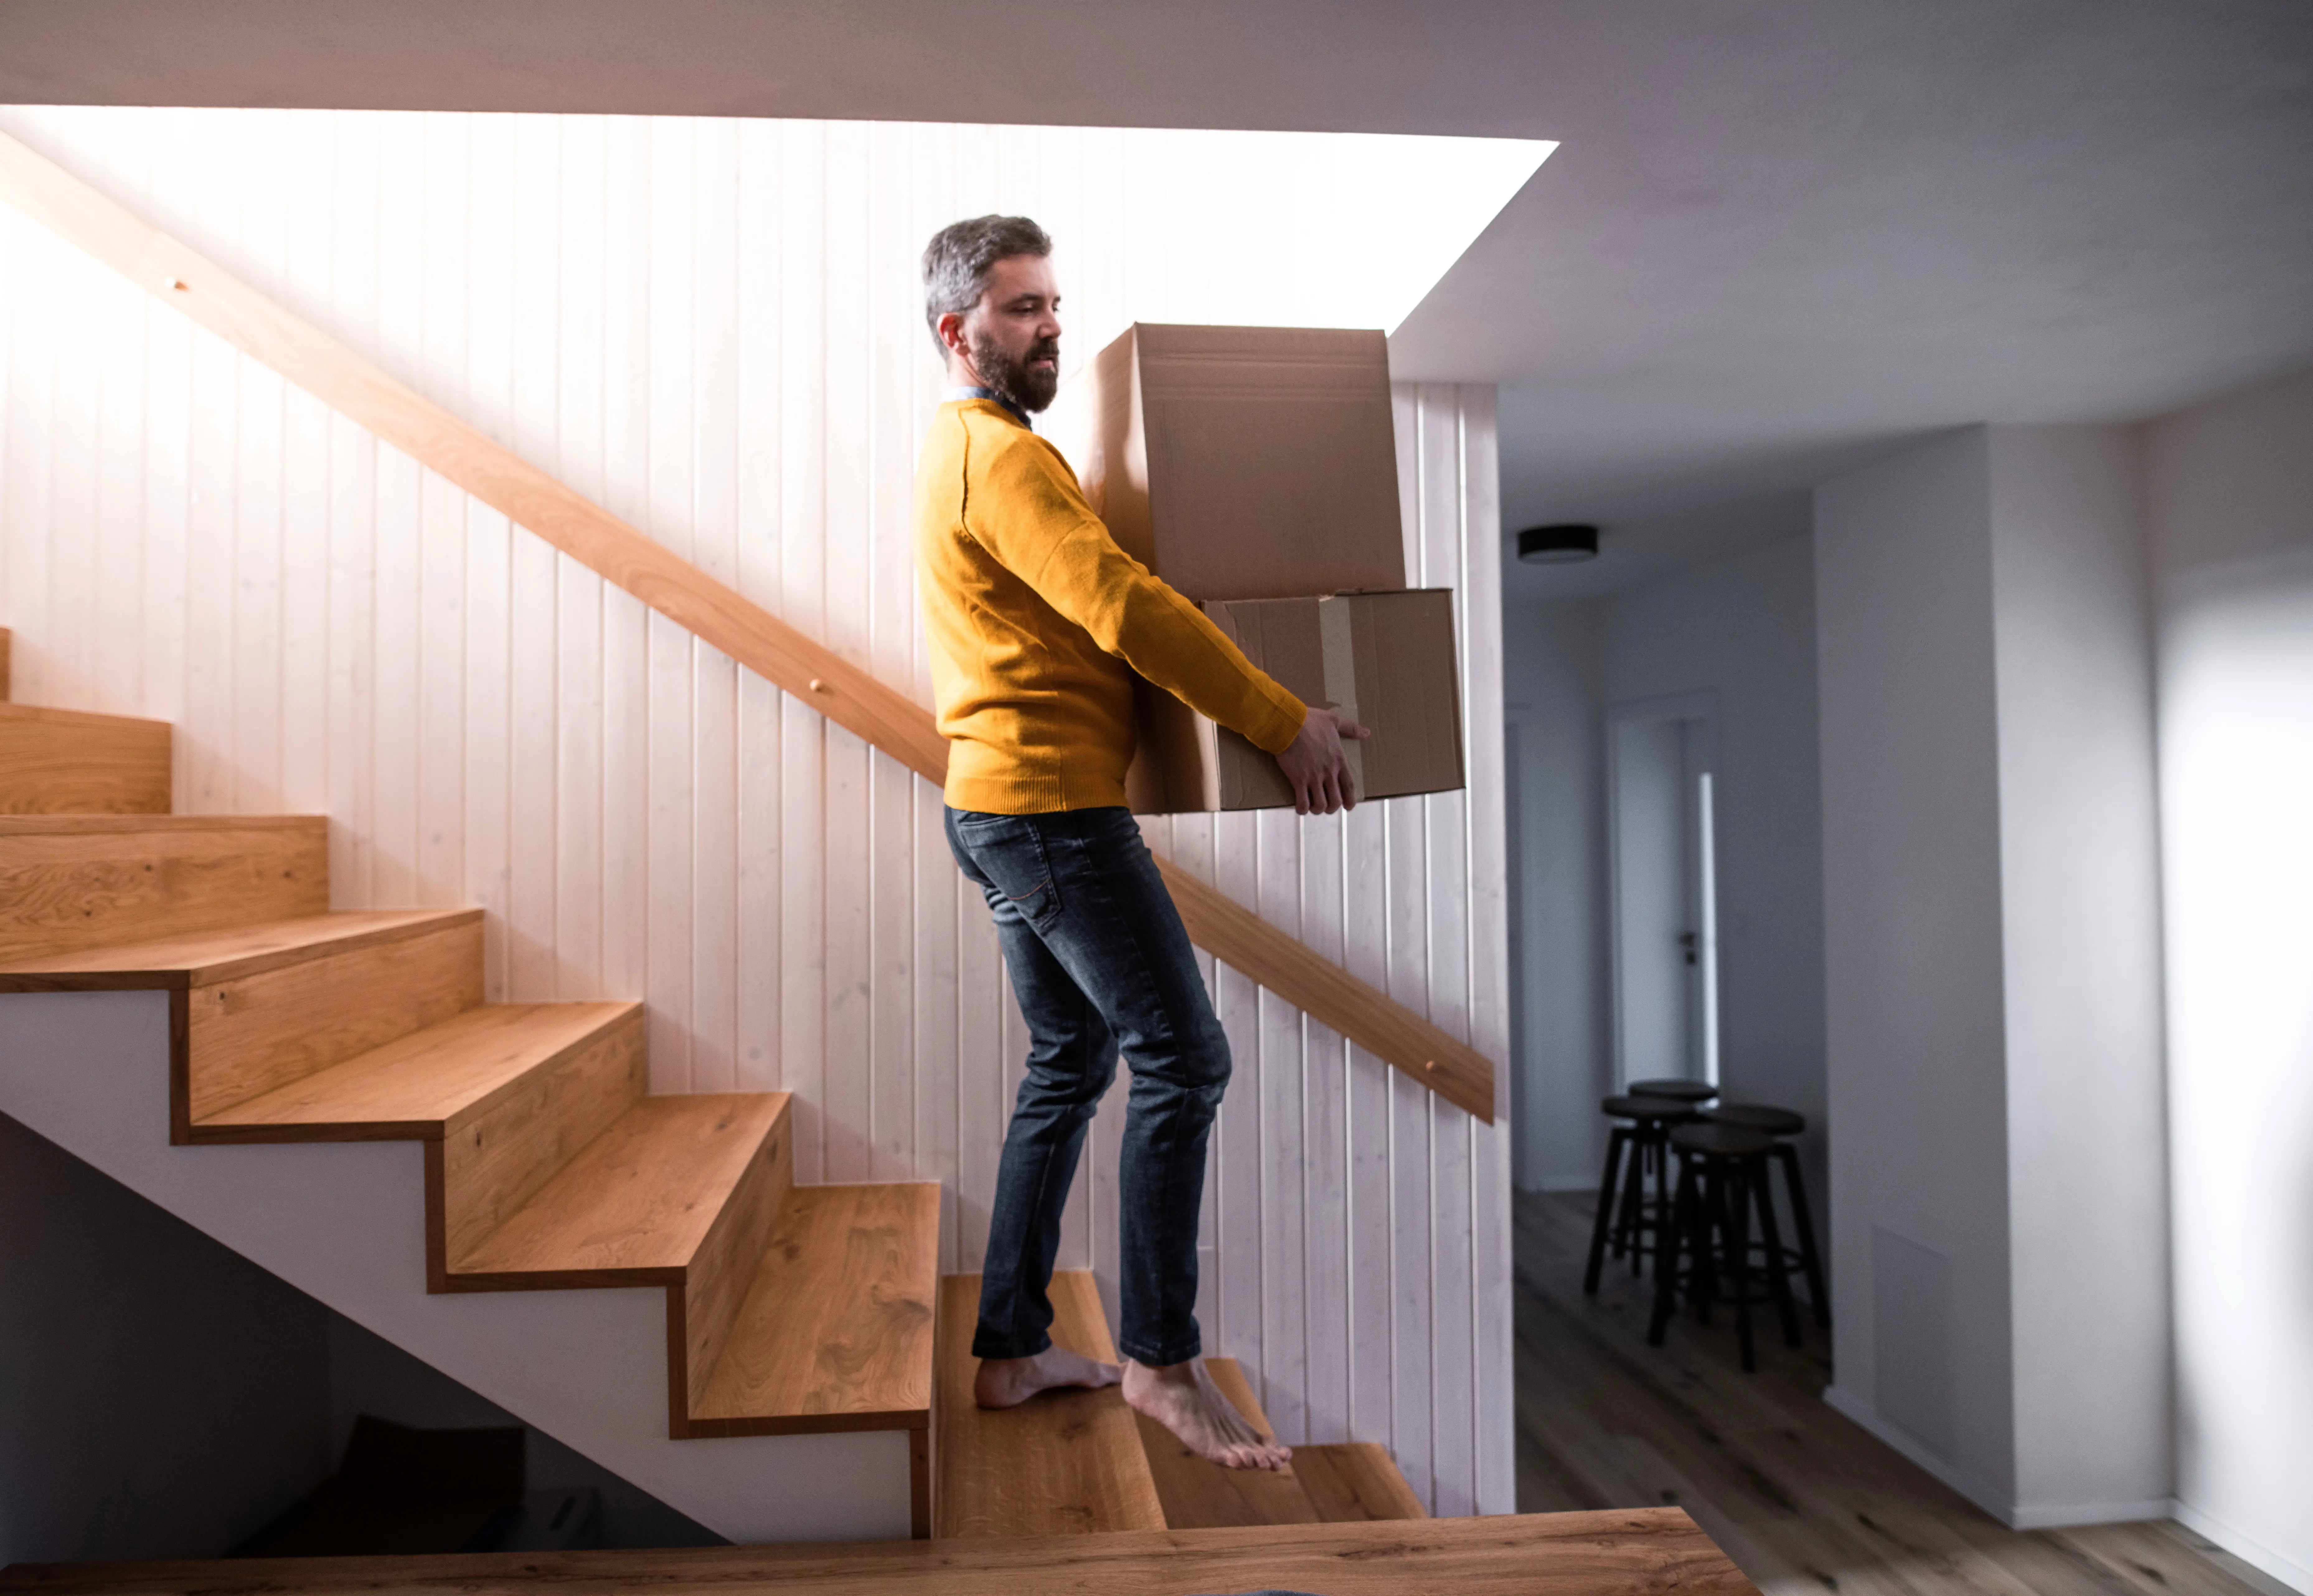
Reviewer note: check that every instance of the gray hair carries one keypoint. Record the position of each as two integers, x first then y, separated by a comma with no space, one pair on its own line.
961,255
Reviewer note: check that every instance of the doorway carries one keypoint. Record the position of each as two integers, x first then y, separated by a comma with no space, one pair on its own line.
1661,851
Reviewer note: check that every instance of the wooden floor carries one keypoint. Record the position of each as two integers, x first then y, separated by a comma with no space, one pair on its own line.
1645,1552
1799,1497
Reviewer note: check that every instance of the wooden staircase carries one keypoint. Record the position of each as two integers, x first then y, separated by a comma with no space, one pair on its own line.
790,1310
549,1165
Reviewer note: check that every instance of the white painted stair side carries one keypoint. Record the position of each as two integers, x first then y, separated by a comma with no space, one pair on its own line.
345,1222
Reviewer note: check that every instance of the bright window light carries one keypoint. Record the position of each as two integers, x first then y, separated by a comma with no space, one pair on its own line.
1319,229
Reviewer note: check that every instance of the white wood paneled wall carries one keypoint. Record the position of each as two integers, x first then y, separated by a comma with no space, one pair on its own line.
713,328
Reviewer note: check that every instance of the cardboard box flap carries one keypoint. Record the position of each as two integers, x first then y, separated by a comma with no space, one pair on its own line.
1241,462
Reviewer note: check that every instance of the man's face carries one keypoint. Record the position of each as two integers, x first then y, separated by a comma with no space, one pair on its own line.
1011,338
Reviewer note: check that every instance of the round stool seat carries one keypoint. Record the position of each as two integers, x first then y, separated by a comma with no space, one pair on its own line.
1659,1109
1775,1122
1678,1091
1721,1141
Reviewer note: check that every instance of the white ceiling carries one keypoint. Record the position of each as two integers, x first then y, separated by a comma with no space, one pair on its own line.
1780,236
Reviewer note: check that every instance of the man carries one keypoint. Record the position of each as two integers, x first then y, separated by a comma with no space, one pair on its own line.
1037,622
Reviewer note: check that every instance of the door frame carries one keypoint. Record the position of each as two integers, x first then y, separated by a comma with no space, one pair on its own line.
1702,706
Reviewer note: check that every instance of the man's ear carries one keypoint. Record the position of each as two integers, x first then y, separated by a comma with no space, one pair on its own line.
951,333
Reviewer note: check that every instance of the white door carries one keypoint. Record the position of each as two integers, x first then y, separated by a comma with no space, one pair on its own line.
1665,941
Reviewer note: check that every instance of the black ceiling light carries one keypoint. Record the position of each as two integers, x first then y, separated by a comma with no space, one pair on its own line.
1558,545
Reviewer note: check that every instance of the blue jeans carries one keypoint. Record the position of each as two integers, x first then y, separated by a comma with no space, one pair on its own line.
1100,962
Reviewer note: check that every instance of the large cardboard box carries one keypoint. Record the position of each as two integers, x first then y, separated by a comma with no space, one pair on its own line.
1241,462
1385,660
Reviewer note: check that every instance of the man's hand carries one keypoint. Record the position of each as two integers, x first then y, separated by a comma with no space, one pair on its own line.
1313,763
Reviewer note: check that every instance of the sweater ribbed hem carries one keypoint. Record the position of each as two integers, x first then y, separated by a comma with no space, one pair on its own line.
1031,794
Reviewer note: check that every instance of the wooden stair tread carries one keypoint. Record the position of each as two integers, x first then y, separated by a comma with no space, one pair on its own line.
1353,1480
14,825
1062,1463
1637,1551
40,714
836,1330
633,1206
1201,1495
420,1084
202,959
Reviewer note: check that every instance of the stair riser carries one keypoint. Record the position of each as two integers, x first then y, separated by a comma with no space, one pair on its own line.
262,1031
489,1163
53,762
716,1281
65,889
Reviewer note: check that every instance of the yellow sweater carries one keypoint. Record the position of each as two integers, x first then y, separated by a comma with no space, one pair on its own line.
1038,621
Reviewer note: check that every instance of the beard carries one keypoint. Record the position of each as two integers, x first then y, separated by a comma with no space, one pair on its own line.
1016,380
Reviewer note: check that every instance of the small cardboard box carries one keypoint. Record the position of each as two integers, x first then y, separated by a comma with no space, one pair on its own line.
1385,660
1241,462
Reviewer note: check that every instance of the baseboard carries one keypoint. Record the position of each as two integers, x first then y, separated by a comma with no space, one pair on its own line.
2078,1514
1861,1413
2289,1572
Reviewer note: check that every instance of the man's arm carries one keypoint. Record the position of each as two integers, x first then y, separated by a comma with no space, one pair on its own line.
1034,520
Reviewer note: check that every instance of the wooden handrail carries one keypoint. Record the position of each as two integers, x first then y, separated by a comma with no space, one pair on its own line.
749,633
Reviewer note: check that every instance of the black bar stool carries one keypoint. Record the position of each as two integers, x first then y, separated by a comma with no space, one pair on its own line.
1677,1090
1722,1176
1781,1123
1627,1223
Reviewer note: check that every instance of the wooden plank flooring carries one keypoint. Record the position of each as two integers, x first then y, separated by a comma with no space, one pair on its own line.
1644,1552
1801,1499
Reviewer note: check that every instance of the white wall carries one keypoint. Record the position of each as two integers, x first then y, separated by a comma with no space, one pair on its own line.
1741,631
2230,496
2079,935
160,1397
711,327
1564,1050
1993,971
1912,975
167,1398
368,1375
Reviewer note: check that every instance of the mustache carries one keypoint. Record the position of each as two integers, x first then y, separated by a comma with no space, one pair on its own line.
1045,349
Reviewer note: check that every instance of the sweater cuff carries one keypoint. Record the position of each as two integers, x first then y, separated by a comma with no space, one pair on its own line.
1280,724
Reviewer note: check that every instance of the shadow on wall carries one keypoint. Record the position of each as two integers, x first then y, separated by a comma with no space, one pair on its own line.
166,1397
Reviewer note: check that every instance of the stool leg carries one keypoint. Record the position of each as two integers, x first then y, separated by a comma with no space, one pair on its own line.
1626,1216
1654,1159
1739,1262
1667,1237
1616,1145
1707,1229
1662,1200
1795,1188
1778,1282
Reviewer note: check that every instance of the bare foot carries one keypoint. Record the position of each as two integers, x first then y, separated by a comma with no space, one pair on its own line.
1007,1383
1183,1398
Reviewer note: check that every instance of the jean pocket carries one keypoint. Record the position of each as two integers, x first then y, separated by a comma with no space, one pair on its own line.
1009,850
